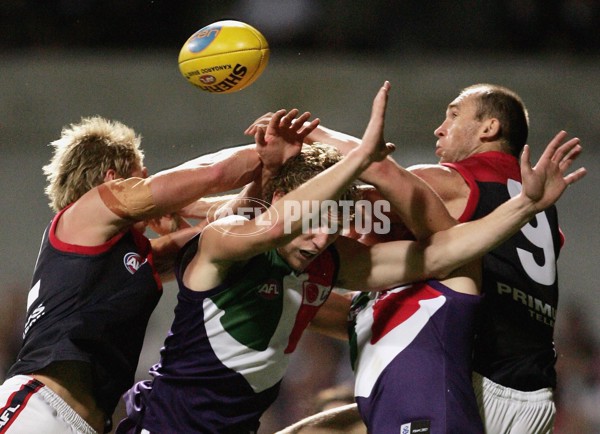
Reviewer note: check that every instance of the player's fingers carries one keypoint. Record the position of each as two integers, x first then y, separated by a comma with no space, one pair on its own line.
380,101
287,120
276,118
375,126
550,149
571,149
525,160
308,128
568,160
259,136
300,120
564,150
263,119
575,176
267,116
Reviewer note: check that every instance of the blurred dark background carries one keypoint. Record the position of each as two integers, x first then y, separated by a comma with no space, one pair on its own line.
61,60
532,26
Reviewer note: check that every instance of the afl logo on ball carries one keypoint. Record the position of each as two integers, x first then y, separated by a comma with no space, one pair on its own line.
207,79
132,261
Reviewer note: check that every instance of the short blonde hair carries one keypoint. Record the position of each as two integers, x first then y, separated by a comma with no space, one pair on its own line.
84,153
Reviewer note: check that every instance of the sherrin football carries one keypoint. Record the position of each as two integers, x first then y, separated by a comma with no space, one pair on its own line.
224,57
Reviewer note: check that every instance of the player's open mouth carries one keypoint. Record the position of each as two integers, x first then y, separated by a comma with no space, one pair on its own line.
307,254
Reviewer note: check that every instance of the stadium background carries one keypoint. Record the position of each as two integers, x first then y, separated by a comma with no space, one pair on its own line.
64,59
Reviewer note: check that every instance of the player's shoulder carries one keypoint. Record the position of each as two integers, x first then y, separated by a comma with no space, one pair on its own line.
430,169
436,175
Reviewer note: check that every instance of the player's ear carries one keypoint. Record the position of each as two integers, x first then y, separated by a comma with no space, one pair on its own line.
277,194
110,175
490,129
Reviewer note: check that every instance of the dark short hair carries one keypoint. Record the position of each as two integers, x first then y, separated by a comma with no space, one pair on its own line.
494,101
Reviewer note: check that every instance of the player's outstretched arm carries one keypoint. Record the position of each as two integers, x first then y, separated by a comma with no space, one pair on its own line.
412,199
217,172
329,184
542,186
386,264
417,205
118,203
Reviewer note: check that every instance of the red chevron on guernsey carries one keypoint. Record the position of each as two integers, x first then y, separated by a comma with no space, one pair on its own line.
393,308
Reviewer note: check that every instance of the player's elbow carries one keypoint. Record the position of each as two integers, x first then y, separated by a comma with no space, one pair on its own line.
437,263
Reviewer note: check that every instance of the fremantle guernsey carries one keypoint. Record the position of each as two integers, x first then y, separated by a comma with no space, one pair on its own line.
90,304
514,341
229,347
411,352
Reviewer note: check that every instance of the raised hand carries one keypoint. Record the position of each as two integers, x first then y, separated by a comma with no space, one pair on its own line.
545,183
282,137
262,121
373,144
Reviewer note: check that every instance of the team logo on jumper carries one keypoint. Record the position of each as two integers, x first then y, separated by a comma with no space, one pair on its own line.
269,290
416,427
313,294
133,261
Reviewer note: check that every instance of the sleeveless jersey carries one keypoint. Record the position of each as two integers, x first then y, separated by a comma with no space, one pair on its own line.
514,341
90,304
229,347
411,353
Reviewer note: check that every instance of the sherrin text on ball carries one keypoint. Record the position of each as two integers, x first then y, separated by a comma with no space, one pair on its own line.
224,57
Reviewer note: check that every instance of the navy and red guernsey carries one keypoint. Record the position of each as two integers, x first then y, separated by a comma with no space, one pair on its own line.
514,343
90,304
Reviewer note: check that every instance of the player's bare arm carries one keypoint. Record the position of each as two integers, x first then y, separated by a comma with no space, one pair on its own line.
118,203
388,264
542,186
223,244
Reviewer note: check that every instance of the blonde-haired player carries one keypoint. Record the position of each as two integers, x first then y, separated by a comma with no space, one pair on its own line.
96,280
